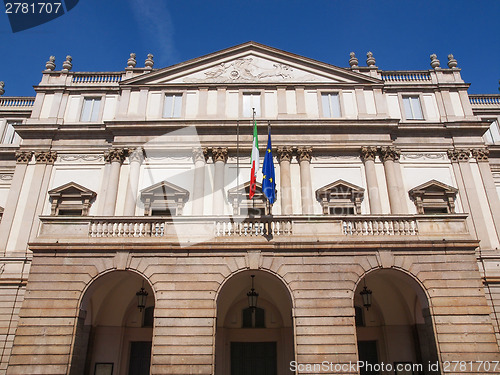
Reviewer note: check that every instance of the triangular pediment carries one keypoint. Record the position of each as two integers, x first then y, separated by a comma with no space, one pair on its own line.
433,186
71,189
164,189
242,191
251,63
339,188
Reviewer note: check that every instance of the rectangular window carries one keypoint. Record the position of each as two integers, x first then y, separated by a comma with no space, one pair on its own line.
90,110
331,105
251,102
413,109
9,136
172,106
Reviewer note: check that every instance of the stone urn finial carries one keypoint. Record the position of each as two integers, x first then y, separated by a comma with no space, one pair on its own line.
131,62
2,85
51,64
149,61
370,60
452,63
67,65
435,62
353,61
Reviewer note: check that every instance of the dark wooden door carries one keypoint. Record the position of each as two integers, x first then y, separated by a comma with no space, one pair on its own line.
368,353
140,358
253,358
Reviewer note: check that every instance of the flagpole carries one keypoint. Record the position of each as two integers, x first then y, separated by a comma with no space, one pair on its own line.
253,122
269,205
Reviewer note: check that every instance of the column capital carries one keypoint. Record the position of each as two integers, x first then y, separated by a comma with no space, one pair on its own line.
200,154
480,154
304,153
46,157
284,153
389,153
136,155
459,154
219,154
115,154
23,157
368,152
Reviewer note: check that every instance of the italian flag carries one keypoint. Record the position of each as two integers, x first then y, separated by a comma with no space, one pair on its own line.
255,161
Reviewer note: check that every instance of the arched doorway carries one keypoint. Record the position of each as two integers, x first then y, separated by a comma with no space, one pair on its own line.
397,328
113,335
254,340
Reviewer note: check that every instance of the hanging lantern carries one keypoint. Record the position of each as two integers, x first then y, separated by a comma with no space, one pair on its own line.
252,296
366,294
142,296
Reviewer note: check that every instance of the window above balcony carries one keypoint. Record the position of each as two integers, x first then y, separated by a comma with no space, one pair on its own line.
71,199
340,198
242,205
164,199
434,197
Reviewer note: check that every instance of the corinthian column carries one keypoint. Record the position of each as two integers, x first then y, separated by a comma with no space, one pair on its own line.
22,160
482,159
285,157
368,154
115,157
304,156
389,154
219,156
136,158
200,156
460,162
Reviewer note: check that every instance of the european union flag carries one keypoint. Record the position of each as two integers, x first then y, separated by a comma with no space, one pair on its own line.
268,182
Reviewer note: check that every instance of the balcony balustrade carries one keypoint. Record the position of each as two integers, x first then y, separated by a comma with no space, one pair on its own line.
300,228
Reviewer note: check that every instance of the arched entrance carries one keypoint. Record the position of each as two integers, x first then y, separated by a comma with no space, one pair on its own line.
113,336
254,340
397,328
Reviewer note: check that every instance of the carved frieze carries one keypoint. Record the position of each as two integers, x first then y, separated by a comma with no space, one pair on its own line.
6,177
80,157
424,156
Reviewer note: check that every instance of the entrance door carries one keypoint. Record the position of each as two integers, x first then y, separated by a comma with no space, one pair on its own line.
253,358
140,358
368,353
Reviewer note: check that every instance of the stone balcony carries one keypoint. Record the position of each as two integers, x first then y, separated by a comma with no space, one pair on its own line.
393,231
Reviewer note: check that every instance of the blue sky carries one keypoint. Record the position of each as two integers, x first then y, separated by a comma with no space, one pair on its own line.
100,34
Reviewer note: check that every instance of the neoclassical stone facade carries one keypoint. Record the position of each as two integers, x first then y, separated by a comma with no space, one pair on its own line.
128,243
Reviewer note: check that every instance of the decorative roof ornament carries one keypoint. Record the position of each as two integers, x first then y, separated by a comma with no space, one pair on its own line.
2,85
452,63
131,62
435,62
51,64
149,61
353,61
370,60
67,65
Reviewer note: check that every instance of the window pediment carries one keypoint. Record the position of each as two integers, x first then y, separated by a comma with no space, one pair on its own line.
164,198
71,199
434,197
340,197
238,197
